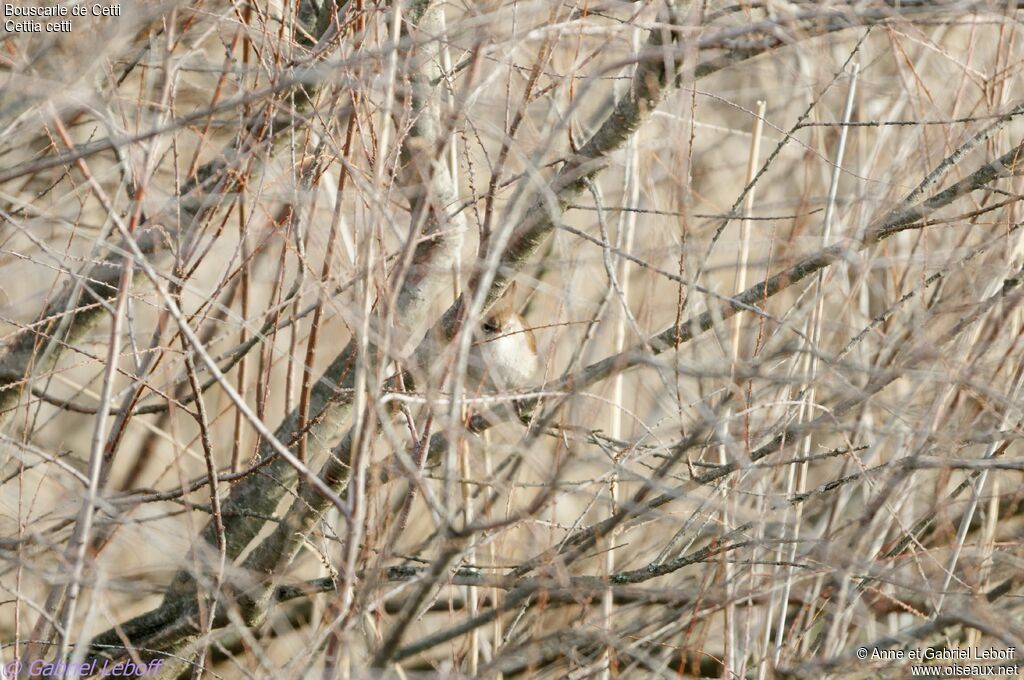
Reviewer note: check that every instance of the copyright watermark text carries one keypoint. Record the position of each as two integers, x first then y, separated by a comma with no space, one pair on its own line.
934,662
43,668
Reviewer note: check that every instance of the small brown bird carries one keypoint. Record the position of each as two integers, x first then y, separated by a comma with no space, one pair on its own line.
505,357
509,350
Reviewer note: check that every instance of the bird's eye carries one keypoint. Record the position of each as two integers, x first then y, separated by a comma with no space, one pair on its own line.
491,326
